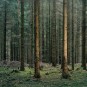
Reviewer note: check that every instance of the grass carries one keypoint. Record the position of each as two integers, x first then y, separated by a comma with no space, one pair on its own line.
50,77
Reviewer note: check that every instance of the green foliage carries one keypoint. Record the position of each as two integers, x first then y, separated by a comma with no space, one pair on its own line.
52,79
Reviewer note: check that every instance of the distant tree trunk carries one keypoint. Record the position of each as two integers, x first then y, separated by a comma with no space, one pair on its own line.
29,49
83,34
47,34
5,20
19,26
11,51
42,31
22,37
65,67
50,54
69,32
59,41
1,52
54,51
32,34
36,32
72,38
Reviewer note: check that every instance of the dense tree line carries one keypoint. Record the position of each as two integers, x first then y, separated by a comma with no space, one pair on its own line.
37,31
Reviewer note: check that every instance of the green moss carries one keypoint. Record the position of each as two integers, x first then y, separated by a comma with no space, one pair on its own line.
52,79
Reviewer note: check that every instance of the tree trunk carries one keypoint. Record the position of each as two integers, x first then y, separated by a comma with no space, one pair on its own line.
50,54
83,34
42,31
5,20
36,33
73,59
65,67
54,51
22,37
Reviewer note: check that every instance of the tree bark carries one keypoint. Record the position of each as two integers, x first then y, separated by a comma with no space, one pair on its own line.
54,51
37,44
22,37
5,20
65,67
83,34
73,59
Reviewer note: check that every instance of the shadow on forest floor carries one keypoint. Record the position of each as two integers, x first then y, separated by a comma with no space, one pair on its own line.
51,77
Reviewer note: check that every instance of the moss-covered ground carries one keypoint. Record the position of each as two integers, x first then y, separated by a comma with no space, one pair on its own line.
50,77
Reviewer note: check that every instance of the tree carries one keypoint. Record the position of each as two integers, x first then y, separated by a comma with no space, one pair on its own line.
22,36
5,21
42,31
32,33
54,51
36,33
83,34
65,73
72,38
50,55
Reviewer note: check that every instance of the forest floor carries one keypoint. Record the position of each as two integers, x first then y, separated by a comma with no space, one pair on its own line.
50,77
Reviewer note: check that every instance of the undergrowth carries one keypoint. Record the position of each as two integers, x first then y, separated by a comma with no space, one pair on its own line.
50,77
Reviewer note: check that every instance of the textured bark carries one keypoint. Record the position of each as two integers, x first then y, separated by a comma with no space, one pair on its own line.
36,32
22,37
65,67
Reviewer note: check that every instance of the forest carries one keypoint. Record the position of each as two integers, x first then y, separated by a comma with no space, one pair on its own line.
43,43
